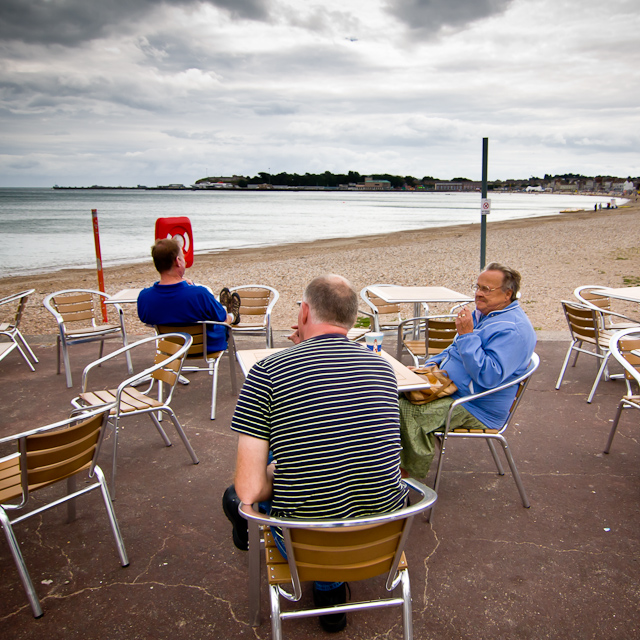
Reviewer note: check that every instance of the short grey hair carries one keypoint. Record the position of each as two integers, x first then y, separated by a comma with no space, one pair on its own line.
333,300
510,278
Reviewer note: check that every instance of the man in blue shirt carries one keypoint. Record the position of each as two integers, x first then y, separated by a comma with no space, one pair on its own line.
493,346
174,300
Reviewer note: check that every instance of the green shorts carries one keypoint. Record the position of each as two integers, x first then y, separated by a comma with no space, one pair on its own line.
417,424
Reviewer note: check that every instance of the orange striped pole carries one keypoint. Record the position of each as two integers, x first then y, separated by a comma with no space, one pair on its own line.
96,238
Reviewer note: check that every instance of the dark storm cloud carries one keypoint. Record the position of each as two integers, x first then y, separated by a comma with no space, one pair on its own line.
70,22
429,16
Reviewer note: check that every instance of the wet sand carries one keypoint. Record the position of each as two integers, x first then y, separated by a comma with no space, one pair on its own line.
555,254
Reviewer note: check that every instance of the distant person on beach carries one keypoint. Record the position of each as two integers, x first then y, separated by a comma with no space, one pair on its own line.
174,300
319,430
493,346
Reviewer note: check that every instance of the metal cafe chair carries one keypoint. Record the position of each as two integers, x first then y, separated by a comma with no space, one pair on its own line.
77,317
489,435
256,307
342,550
127,400
11,328
625,348
47,455
435,334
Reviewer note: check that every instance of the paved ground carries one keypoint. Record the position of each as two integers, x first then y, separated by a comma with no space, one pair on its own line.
487,568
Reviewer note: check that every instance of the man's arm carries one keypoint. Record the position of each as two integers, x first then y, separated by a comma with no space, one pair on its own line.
254,479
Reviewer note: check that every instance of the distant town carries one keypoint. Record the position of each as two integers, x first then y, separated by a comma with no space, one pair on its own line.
353,181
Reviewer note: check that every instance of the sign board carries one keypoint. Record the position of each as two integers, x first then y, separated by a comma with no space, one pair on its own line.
178,228
485,206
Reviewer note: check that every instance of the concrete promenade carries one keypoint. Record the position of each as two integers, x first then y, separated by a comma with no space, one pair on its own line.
568,567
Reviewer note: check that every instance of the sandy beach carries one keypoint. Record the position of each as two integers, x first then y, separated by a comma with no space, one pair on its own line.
555,254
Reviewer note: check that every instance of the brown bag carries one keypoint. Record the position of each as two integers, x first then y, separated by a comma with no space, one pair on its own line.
441,386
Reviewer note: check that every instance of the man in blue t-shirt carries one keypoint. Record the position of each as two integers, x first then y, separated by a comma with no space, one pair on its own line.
174,300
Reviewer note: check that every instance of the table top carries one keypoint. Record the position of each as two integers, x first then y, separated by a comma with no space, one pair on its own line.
396,295
631,294
407,379
124,296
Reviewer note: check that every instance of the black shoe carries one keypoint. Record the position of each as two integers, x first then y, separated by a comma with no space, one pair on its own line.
225,298
332,622
230,504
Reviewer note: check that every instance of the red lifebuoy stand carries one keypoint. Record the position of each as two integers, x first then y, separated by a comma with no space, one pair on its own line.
179,229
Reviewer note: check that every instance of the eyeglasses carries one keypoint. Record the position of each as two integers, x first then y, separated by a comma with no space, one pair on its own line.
483,288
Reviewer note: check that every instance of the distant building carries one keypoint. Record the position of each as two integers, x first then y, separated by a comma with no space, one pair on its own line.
370,184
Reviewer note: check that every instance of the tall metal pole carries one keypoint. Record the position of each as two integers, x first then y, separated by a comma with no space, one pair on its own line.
485,208
96,238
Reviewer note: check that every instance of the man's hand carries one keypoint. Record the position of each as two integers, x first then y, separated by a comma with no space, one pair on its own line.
464,321
295,336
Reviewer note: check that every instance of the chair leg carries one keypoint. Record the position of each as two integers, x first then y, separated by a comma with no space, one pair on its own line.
407,618
564,365
22,353
161,431
601,370
183,435
276,622
254,573
65,356
614,426
514,472
20,565
436,481
122,552
26,345
114,459
214,387
494,454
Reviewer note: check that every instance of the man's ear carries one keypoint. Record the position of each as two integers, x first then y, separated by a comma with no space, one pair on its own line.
304,312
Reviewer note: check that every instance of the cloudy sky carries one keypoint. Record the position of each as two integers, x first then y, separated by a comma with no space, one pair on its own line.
126,92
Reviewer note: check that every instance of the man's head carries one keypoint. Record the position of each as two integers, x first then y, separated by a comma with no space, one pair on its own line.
331,300
497,288
165,252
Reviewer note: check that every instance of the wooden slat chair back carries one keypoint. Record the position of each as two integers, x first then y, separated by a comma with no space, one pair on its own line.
77,316
46,456
11,328
210,361
584,327
377,307
608,318
435,334
336,551
625,348
257,302
489,435
128,400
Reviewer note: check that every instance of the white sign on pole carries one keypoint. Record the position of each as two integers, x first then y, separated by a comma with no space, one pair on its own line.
485,206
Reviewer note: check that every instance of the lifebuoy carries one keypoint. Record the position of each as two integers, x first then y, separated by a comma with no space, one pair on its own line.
178,228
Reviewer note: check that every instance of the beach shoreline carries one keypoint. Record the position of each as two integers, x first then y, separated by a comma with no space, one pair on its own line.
554,253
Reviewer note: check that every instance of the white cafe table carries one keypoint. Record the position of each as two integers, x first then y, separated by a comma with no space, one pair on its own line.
407,379
630,294
417,295
126,296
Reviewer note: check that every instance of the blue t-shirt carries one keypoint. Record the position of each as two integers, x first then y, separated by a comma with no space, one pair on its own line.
182,304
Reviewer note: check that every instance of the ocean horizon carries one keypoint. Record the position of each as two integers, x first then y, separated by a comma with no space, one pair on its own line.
47,230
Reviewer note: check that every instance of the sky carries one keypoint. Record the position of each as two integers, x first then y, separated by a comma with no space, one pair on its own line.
128,92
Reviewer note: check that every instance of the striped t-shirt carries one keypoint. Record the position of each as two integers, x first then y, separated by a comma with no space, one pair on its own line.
329,409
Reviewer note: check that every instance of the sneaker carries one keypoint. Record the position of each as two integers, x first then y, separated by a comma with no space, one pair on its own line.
230,504
234,307
332,622
225,298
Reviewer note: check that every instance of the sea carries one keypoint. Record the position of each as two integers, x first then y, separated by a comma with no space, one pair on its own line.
45,230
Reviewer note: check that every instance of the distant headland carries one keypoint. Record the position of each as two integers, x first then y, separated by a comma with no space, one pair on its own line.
353,181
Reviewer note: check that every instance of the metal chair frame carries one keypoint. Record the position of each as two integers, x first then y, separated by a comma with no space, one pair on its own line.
48,455
128,401
334,550
625,348
584,326
211,360
252,304
378,307
79,308
12,329
489,435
